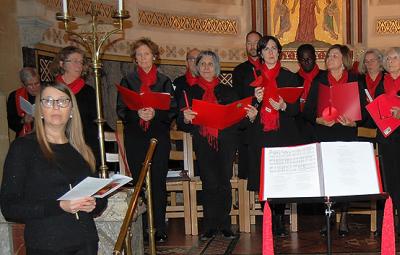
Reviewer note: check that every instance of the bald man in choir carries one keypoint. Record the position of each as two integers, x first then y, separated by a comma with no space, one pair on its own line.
242,77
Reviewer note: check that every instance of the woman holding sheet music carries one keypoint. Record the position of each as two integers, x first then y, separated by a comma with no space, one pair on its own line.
389,147
215,148
275,124
146,123
44,165
339,128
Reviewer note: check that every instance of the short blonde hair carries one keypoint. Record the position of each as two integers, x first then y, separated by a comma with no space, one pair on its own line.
73,129
346,56
378,54
149,43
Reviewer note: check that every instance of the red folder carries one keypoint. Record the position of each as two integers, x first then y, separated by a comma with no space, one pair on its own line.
290,94
136,101
379,109
341,99
219,116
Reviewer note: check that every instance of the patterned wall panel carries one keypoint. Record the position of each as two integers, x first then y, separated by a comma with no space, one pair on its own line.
226,78
211,25
388,26
44,68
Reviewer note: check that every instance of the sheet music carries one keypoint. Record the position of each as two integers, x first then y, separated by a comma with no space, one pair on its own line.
291,170
349,168
26,106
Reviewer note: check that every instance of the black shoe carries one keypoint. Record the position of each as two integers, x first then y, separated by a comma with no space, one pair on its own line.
343,231
208,234
161,237
228,234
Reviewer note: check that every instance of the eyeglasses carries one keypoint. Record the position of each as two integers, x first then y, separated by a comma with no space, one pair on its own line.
191,59
74,61
372,60
50,102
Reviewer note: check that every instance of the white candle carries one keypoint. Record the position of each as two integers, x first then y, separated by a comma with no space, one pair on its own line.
120,5
65,6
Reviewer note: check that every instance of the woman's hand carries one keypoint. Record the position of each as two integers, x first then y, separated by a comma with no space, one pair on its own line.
85,204
346,121
278,106
259,93
395,112
146,114
251,112
188,116
27,118
323,122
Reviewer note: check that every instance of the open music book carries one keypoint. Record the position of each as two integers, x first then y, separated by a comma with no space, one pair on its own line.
96,187
26,106
319,170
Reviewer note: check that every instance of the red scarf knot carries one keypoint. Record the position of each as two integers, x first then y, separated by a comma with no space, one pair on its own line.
74,86
148,80
22,92
372,84
308,79
210,133
270,116
190,78
392,86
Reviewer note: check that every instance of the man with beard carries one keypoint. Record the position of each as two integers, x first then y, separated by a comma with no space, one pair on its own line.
243,75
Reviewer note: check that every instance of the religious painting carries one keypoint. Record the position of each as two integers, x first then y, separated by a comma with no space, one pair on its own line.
319,22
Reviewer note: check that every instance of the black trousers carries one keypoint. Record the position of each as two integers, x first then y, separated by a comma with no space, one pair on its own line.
136,148
216,173
87,249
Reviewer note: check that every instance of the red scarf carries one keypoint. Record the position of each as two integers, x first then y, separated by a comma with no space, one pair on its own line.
391,85
22,92
332,81
308,78
269,116
209,96
74,86
190,78
148,80
371,85
256,63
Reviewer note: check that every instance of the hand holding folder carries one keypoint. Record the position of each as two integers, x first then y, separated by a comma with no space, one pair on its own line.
219,116
339,100
135,101
380,111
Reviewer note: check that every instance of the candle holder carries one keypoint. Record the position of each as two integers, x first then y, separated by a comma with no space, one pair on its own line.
94,41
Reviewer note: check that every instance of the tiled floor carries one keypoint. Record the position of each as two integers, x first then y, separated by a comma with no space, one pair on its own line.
306,241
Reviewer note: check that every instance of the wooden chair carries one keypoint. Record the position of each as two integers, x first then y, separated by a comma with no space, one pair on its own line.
367,207
117,156
180,184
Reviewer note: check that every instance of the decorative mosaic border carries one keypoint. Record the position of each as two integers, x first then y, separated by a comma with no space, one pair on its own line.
188,23
388,26
81,7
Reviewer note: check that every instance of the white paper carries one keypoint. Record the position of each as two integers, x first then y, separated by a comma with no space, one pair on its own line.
291,171
317,170
349,168
96,187
26,106
174,174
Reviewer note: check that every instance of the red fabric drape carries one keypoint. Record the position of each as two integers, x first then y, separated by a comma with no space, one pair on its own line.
148,80
22,92
268,238
308,78
372,84
74,86
269,116
392,86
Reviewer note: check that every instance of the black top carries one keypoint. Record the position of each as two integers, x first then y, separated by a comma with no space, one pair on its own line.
30,189
337,132
159,125
180,84
242,76
287,134
14,120
86,99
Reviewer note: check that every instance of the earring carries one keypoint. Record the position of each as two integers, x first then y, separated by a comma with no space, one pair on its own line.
70,116
41,116
154,58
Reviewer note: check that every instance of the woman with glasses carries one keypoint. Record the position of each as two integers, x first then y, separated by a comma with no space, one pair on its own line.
275,124
44,165
215,149
389,147
338,63
69,67
146,123
19,121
